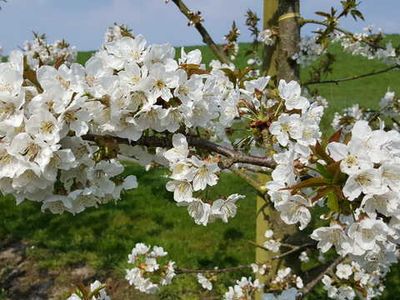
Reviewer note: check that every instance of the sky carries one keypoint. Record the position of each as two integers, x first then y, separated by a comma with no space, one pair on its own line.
83,22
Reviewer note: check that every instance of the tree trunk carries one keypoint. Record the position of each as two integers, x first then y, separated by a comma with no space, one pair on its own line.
270,20
289,38
278,63
282,15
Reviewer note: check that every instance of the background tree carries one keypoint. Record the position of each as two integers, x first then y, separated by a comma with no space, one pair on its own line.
330,200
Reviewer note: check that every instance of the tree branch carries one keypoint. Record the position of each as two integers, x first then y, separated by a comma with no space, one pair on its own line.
337,81
166,142
344,31
310,286
316,22
207,39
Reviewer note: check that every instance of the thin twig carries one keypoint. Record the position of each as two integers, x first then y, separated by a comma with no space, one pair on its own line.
207,39
293,249
223,270
166,142
258,246
337,81
310,286
395,121
316,22
255,170
259,186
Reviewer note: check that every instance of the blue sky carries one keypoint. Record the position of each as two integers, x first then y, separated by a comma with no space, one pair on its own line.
83,22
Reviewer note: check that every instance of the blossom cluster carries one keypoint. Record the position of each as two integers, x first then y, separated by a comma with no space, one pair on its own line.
116,32
310,51
339,285
267,37
204,282
288,294
245,288
345,120
191,174
389,108
254,63
43,155
40,52
293,123
334,292
270,243
96,291
231,48
285,279
358,181
150,269
365,44
288,283
354,178
58,122
390,105
295,131
370,164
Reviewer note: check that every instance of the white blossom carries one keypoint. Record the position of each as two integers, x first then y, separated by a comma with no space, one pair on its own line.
343,271
204,282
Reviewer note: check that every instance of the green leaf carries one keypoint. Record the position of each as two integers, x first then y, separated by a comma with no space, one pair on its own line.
323,171
322,14
311,182
357,14
311,264
333,203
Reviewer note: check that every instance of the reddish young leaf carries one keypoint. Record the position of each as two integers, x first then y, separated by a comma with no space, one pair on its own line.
335,137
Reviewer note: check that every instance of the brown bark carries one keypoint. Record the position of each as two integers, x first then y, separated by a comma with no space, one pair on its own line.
289,38
270,20
278,63
232,156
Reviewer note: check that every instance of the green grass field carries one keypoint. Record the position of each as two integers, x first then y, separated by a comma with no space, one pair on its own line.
102,238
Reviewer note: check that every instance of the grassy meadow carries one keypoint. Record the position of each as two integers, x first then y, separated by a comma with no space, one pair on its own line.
102,238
